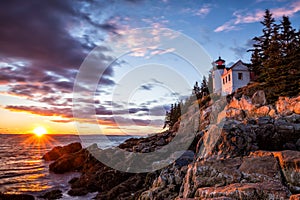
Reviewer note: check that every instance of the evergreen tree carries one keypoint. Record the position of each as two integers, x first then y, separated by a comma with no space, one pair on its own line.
291,63
197,91
167,119
204,87
276,57
261,46
287,37
173,115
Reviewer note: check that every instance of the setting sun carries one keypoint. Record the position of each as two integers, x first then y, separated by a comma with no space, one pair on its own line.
39,131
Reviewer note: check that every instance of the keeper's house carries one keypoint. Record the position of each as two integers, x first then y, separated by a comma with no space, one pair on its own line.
228,80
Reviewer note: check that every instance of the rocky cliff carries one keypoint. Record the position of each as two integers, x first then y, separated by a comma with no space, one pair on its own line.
242,149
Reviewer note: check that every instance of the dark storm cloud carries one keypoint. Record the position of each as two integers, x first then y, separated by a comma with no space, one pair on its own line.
38,34
37,30
6,78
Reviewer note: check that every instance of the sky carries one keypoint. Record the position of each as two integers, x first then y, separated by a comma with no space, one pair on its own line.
46,45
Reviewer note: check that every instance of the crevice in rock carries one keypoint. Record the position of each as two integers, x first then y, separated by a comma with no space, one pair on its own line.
283,179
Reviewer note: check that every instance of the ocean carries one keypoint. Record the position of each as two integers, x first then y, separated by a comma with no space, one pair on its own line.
22,169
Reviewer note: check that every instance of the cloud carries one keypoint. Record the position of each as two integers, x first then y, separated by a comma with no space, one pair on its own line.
148,86
228,26
240,50
40,51
42,111
124,121
62,121
43,34
202,11
103,110
241,18
36,31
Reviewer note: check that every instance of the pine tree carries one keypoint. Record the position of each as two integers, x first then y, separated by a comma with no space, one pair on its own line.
173,115
204,87
261,46
167,119
276,57
287,37
197,91
291,63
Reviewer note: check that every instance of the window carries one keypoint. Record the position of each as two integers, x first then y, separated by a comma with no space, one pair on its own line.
223,81
226,79
240,76
229,77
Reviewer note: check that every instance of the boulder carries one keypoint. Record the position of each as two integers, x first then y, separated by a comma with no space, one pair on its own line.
262,111
230,139
16,196
295,197
124,190
283,106
78,192
290,165
260,168
297,108
259,98
210,173
54,194
57,152
186,158
265,190
234,103
236,114
69,162
246,104
272,112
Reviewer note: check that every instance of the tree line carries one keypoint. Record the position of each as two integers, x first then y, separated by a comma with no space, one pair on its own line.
276,56
179,108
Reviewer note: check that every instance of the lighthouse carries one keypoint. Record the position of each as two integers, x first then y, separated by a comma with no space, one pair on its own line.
217,72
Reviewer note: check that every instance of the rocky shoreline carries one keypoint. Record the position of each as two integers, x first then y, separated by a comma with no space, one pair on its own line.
243,149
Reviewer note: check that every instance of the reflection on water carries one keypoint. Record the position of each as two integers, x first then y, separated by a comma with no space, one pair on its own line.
23,171
21,168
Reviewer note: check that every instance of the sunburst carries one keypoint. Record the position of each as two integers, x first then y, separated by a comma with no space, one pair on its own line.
39,131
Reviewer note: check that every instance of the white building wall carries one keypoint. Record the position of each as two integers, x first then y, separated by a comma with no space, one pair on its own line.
237,83
217,82
227,86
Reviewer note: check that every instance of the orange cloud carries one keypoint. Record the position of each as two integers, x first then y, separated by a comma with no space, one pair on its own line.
43,111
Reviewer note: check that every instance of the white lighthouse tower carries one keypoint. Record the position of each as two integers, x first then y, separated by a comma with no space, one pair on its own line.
217,72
